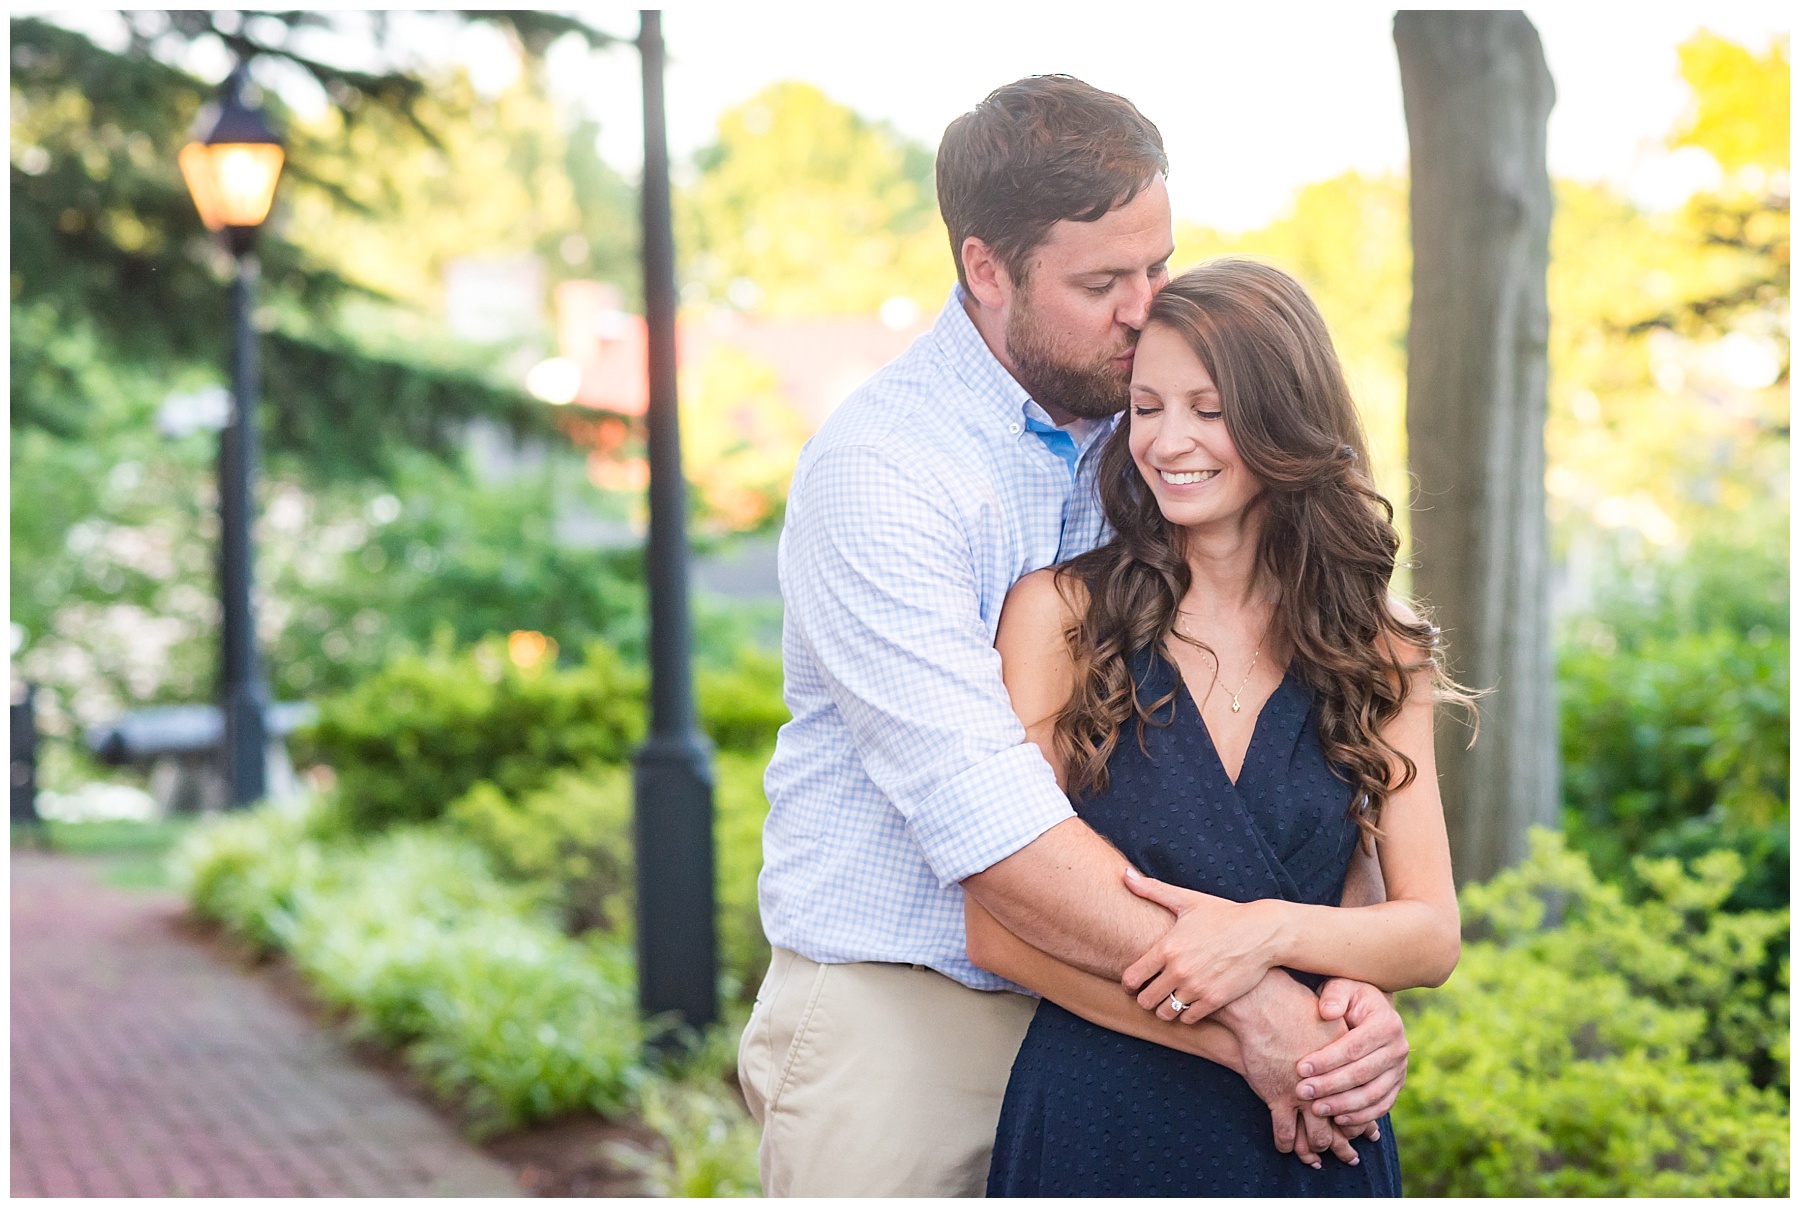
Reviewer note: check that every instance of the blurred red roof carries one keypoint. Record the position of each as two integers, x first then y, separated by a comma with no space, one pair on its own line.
817,361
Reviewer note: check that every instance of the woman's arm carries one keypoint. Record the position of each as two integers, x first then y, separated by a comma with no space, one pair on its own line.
1219,949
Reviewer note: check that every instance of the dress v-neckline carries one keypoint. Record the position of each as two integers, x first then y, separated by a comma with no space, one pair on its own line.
1212,743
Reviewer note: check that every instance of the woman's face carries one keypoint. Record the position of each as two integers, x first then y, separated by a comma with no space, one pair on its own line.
1178,436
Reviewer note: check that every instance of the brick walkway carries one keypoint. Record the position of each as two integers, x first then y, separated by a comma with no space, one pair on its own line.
142,1065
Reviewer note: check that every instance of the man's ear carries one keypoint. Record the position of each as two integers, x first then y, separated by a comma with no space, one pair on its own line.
988,281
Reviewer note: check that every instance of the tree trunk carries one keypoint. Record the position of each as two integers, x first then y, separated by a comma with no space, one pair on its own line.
1478,97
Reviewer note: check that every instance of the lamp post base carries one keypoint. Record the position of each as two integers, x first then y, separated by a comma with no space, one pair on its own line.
246,744
676,940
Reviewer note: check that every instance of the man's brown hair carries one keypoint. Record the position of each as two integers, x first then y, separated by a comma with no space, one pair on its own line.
1035,152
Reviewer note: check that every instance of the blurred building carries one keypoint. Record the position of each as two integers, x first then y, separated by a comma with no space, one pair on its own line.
817,361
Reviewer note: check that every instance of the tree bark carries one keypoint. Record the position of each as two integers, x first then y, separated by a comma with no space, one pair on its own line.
1478,95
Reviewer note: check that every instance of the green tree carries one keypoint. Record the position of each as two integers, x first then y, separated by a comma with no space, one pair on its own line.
386,207
1739,114
105,238
1739,235
740,440
803,207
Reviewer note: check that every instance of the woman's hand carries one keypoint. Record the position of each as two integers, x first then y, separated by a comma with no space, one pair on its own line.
1217,951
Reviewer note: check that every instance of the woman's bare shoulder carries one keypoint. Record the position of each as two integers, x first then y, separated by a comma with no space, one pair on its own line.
1042,605
1035,659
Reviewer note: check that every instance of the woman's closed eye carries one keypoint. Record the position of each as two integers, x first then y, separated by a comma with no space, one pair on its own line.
1142,409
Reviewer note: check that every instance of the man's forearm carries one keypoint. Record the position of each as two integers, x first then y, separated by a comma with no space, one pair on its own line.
1064,893
1099,1000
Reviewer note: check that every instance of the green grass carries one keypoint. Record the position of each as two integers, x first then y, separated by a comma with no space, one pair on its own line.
134,854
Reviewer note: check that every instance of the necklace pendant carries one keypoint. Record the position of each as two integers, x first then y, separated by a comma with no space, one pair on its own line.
1236,705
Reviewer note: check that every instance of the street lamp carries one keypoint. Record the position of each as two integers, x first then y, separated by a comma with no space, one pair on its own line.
231,169
673,815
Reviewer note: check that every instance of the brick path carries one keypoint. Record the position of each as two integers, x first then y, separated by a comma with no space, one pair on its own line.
143,1065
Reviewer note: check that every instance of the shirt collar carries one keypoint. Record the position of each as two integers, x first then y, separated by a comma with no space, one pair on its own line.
1083,432
976,363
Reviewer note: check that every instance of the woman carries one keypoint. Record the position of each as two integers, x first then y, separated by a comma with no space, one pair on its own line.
1231,696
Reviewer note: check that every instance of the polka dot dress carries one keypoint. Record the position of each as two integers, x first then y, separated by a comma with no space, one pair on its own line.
1089,1112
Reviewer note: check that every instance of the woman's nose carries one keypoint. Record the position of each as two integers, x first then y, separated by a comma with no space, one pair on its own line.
1176,433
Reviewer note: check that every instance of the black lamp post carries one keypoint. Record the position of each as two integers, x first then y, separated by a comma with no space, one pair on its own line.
677,949
231,170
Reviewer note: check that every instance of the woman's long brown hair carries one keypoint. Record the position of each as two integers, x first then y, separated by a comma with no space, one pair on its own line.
1327,547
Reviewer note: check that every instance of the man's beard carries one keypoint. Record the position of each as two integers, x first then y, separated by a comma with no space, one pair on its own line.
1093,391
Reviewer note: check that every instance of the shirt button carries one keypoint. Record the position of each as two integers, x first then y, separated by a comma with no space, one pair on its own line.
1013,428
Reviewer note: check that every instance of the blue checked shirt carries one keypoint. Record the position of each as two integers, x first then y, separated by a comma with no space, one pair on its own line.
934,488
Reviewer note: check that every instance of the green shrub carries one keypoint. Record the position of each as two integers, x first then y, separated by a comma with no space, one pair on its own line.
1628,1049
1674,702
740,705
412,739
247,870
1678,740
408,741
572,836
1732,575
739,810
712,1140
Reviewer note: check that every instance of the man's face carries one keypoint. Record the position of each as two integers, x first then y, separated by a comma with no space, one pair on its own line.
1072,328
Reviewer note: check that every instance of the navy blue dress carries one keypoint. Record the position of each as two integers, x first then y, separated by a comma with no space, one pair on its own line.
1090,1112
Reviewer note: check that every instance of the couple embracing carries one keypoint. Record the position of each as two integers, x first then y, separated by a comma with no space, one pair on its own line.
1107,813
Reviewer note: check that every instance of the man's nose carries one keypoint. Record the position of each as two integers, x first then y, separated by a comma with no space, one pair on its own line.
1135,307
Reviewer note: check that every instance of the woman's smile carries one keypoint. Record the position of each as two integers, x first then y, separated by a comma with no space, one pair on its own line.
1184,478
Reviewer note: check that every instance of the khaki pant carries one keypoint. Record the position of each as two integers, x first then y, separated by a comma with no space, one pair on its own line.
875,1079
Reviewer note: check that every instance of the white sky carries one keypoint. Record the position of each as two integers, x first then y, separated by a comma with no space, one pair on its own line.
1252,101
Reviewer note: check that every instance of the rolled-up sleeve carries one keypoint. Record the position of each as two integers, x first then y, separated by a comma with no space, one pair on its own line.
880,578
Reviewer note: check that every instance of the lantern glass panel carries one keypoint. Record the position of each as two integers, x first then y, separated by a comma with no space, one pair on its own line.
233,184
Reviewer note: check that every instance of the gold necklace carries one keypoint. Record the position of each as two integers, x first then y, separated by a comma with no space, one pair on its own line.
1237,703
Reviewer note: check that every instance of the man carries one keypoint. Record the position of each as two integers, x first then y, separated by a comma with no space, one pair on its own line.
878,1054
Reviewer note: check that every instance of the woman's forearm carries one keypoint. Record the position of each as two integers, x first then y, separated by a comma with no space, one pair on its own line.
1098,1000
1394,945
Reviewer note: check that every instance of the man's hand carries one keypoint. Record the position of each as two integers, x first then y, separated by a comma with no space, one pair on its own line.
1278,1025
1356,1078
